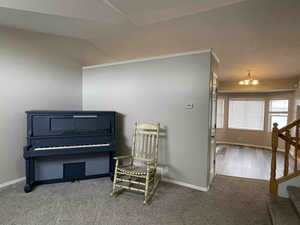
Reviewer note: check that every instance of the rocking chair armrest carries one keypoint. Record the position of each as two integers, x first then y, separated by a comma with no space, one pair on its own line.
149,161
122,157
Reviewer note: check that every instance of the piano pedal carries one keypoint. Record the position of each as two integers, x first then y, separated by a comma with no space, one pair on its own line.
75,180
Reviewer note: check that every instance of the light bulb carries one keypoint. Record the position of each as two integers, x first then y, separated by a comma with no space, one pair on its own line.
246,82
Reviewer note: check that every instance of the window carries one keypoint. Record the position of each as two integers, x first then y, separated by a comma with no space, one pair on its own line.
278,113
246,114
220,113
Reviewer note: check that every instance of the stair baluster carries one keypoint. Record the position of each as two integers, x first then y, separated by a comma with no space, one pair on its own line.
296,149
273,184
287,153
284,134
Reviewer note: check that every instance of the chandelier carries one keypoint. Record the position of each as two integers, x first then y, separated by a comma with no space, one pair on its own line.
249,81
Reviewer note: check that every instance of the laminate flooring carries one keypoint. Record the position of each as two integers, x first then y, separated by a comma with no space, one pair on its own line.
246,162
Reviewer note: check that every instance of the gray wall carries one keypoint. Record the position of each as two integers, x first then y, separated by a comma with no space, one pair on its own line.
37,72
282,188
157,91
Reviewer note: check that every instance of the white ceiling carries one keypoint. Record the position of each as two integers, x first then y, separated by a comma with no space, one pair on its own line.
261,35
154,11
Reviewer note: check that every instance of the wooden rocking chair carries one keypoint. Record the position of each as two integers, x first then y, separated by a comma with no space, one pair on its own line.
140,173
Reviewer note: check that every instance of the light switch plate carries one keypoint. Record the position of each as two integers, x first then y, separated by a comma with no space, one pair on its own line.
189,106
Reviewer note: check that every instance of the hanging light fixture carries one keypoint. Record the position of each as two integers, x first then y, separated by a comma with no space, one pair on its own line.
249,81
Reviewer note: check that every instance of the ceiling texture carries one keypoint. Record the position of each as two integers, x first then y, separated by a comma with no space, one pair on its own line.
258,35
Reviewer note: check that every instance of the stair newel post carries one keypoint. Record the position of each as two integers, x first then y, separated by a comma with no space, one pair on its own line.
296,148
287,152
273,183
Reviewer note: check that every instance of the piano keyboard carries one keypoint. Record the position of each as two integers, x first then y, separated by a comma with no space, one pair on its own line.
68,147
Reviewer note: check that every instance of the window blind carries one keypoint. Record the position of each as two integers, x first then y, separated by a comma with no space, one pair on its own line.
246,114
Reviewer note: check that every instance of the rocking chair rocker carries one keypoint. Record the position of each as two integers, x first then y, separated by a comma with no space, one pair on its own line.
140,173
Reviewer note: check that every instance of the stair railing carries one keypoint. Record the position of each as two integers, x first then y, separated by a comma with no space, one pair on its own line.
284,134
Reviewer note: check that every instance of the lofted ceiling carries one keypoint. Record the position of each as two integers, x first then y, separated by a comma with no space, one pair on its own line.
260,35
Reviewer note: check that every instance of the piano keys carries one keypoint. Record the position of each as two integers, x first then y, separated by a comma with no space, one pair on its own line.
68,145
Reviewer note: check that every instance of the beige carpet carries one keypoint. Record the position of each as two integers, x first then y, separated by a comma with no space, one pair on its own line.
230,201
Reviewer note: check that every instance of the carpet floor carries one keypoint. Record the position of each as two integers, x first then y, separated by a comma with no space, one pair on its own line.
230,201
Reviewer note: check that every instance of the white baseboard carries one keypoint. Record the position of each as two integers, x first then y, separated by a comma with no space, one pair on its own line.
248,145
184,184
192,186
8,183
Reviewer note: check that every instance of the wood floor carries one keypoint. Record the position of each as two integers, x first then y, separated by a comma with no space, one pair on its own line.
247,162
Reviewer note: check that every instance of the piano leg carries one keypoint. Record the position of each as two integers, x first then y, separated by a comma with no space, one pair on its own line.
30,168
111,166
27,188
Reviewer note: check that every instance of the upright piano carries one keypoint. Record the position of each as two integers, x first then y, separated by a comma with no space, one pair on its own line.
68,146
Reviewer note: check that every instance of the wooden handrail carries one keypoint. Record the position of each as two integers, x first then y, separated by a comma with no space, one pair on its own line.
288,177
289,126
288,139
284,134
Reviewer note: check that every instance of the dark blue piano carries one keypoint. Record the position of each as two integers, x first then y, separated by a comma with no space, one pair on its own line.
68,146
